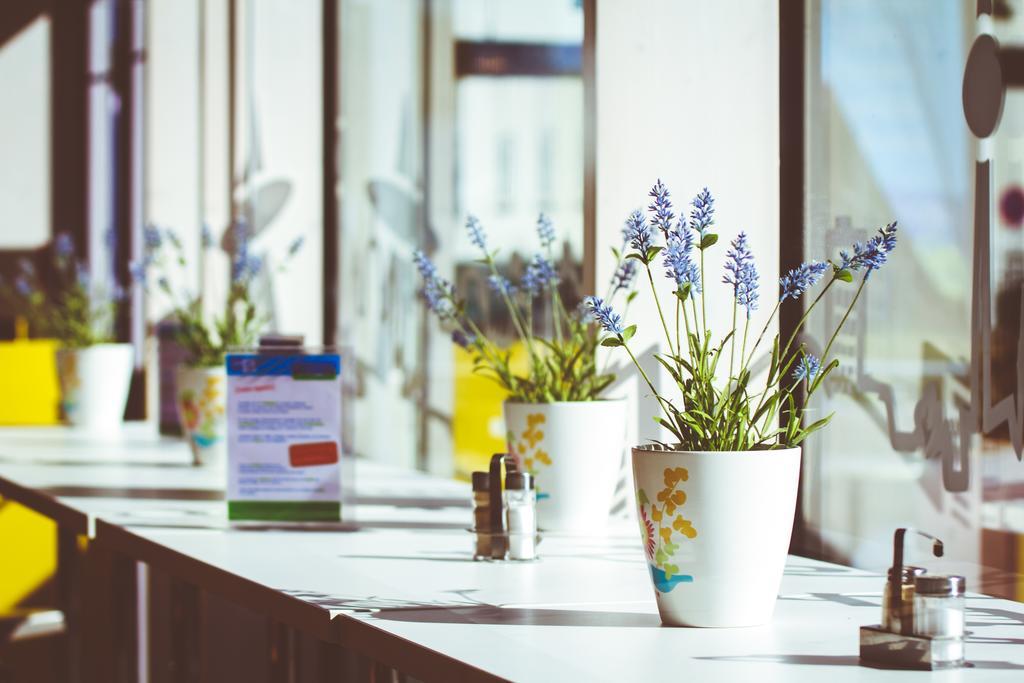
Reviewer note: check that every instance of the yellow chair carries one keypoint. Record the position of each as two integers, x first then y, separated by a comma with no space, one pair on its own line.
29,392
478,429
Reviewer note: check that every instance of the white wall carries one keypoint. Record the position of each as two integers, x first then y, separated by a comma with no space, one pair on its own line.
25,138
688,92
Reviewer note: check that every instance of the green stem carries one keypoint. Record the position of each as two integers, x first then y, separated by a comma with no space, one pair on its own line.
732,339
703,302
664,406
657,302
849,309
743,347
764,329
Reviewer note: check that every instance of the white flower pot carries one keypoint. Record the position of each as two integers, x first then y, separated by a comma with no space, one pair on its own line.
716,529
94,384
574,449
201,396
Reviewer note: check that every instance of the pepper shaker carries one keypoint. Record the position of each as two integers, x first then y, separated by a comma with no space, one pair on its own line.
481,515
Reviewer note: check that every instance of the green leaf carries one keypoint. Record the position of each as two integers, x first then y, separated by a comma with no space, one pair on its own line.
632,295
628,333
708,240
642,497
611,342
652,252
844,275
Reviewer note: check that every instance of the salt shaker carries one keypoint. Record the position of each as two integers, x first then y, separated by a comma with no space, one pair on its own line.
939,606
939,613
521,516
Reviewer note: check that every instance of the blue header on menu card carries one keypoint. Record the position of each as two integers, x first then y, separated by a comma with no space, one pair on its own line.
298,366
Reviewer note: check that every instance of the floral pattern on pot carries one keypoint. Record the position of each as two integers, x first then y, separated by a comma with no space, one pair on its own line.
661,524
527,448
201,413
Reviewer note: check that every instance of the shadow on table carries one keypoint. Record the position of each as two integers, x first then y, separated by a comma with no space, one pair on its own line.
518,616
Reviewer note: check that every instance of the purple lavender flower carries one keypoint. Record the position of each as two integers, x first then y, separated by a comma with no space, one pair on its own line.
741,273
137,272
871,255
806,368
23,286
64,245
702,216
623,276
152,237
679,267
661,207
82,276
437,292
428,271
800,279
638,232
476,233
545,231
462,339
246,266
206,237
584,313
540,274
501,285
606,317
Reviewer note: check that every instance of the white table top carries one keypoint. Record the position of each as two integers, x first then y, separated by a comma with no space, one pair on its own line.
74,478
400,586
585,611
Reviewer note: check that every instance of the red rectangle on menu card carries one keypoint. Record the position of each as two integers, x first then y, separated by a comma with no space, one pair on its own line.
315,453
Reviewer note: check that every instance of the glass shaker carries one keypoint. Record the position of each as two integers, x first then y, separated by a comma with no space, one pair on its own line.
939,613
521,516
481,515
901,619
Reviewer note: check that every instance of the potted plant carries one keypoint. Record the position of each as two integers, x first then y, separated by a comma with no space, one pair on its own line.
716,501
201,382
558,425
66,304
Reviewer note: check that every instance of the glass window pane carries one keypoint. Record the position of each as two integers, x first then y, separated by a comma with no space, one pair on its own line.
916,439
427,138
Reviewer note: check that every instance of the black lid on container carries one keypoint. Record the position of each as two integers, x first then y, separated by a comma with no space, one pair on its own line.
909,572
481,481
519,480
934,584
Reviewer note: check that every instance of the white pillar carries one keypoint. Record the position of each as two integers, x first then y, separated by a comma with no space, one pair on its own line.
688,92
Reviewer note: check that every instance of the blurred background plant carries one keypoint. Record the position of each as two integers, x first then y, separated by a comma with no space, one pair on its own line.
62,302
562,366
207,337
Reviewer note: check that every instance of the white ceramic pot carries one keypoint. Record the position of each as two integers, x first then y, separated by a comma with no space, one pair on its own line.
715,528
94,384
201,396
574,449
